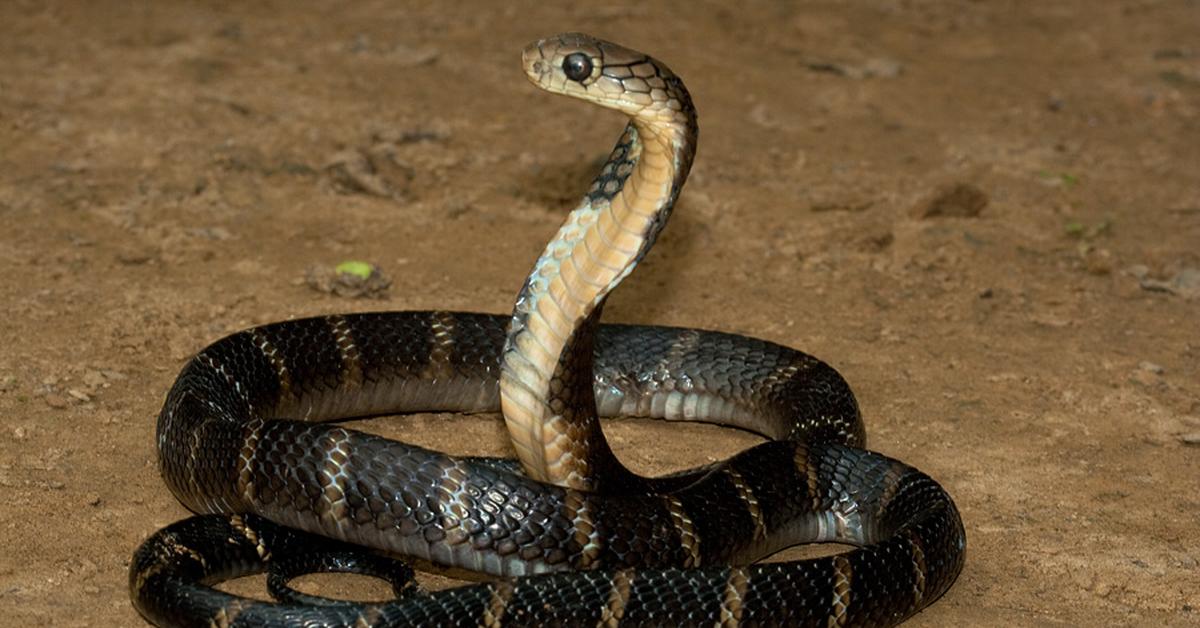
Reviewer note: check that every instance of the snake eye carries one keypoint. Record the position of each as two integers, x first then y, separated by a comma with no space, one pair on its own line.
577,66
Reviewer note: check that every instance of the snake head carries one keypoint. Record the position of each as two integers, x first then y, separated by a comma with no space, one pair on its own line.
612,76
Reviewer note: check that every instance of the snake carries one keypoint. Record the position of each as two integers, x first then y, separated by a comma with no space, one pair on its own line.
564,534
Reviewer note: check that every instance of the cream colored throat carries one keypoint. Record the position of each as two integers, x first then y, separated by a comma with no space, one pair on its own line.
597,246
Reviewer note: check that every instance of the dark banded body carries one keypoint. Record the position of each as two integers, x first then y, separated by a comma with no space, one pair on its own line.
224,447
573,536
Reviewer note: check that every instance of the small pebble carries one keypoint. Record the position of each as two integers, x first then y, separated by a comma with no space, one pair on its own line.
352,172
1098,261
882,67
79,394
1185,283
960,200
20,433
134,257
56,401
1191,439
1151,367
93,379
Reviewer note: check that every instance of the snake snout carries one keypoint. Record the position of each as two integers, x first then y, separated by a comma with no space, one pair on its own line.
533,59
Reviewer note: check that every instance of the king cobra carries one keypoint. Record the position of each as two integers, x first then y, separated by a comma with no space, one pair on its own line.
569,536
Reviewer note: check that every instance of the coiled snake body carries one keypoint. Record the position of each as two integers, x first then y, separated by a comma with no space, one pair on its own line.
572,536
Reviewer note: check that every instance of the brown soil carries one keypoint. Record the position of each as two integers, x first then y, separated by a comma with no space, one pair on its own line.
985,214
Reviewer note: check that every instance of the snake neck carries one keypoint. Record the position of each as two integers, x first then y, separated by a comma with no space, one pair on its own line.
546,368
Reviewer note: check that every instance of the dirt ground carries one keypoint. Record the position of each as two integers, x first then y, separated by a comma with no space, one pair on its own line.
985,214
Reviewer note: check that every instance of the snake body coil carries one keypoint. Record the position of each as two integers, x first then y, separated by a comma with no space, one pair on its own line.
573,537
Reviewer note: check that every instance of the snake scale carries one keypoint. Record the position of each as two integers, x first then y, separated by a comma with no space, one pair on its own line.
569,536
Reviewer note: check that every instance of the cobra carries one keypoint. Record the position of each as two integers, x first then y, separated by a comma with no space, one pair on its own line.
568,534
